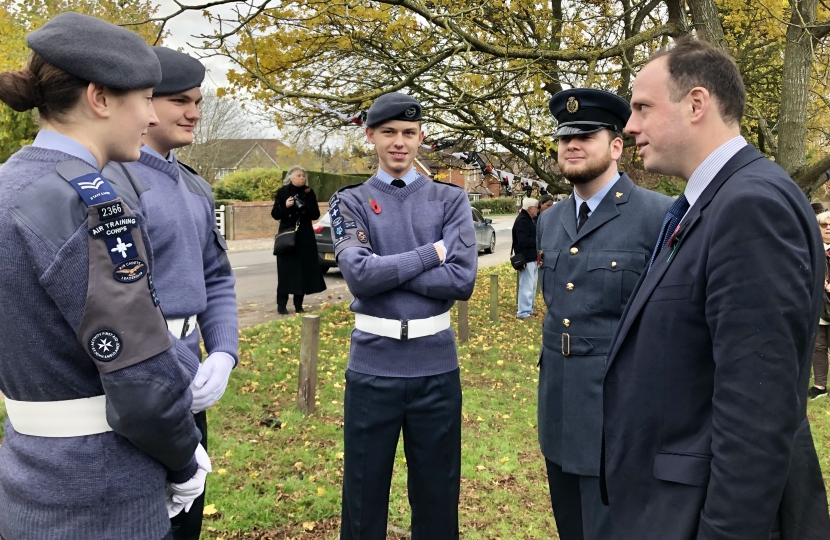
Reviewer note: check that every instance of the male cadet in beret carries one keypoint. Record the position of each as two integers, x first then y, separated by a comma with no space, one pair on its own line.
593,248
192,274
407,249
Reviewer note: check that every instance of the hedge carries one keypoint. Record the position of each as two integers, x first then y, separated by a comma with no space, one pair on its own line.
501,205
262,184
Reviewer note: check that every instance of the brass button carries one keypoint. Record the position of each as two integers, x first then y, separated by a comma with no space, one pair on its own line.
566,322
613,264
569,286
574,251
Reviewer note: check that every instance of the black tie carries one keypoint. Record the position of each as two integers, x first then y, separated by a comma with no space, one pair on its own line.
583,216
398,183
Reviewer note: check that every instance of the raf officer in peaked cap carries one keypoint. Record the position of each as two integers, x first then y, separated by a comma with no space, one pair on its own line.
193,276
593,248
403,365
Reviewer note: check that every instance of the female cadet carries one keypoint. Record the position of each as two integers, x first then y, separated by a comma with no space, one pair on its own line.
99,432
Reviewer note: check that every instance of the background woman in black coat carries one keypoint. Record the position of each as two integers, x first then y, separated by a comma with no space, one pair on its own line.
298,272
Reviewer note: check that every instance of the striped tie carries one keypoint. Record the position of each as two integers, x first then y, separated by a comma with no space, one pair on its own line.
670,223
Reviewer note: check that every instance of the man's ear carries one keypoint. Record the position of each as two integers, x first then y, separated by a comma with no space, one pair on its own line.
370,134
699,102
421,137
616,147
99,100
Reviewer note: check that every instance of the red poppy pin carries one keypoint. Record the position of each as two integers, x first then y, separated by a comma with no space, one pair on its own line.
375,206
307,190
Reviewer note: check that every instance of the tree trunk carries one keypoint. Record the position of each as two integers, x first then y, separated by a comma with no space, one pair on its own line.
795,88
706,22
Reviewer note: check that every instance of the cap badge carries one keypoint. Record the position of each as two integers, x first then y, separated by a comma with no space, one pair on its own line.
618,194
572,105
410,112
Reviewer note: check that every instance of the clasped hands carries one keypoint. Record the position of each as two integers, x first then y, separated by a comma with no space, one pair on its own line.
181,496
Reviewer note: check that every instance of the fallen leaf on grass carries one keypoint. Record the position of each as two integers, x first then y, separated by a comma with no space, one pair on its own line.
504,459
222,471
209,510
309,525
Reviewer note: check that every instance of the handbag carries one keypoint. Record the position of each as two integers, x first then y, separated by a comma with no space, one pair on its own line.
518,261
285,241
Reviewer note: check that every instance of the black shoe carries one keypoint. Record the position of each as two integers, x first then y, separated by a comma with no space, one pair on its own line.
281,310
815,393
299,309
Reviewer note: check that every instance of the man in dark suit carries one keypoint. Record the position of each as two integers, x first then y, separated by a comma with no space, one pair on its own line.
705,427
593,246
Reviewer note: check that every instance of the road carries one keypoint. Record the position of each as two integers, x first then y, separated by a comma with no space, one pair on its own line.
256,277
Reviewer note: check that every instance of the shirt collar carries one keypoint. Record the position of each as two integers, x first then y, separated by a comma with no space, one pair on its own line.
710,167
594,201
387,178
152,151
53,140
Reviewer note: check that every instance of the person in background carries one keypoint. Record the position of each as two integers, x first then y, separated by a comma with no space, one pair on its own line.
193,276
298,272
819,388
99,431
524,243
545,202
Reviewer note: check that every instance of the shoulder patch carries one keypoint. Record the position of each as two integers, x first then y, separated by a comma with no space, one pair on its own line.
188,167
446,184
350,186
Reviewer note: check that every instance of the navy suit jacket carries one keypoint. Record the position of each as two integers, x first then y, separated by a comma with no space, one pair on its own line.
704,419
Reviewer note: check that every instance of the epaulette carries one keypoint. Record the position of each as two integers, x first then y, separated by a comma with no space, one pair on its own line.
446,183
189,168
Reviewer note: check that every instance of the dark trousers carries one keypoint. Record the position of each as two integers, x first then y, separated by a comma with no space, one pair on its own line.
820,356
188,525
282,300
577,507
428,410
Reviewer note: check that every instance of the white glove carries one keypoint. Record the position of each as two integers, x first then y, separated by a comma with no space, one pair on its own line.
210,381
181,496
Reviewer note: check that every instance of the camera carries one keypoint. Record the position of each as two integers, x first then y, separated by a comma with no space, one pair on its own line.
299,203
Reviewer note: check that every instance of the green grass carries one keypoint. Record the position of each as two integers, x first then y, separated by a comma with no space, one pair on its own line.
273,483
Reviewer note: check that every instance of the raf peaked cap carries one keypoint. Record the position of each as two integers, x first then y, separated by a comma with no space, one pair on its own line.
179,72
96,51
394,106
584,110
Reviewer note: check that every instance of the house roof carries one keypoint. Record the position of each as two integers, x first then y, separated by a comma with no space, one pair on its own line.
230,152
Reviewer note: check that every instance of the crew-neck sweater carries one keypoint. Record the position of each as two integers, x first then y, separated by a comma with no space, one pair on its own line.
188,276
71,488
386,253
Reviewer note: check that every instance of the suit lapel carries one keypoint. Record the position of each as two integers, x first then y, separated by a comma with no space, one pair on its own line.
648,282
607,208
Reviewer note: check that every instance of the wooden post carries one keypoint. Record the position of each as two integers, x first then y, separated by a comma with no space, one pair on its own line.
463,321
309,342
494,297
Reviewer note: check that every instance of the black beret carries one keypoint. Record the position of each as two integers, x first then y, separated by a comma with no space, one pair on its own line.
394,106
96,51
585,110
179,72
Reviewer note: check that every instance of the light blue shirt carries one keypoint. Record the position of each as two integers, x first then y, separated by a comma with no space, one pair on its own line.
152,151
56,141
594,201
387,178
710,167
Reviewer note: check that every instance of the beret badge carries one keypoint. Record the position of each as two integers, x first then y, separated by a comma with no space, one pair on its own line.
572,105
411,112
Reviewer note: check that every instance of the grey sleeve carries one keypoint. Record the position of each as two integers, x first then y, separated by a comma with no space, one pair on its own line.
367,273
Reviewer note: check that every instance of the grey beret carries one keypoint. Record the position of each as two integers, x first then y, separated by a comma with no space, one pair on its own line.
394,106
179,72
96,51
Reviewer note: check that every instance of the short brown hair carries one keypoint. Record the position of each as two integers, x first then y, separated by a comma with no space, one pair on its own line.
41,85
692,63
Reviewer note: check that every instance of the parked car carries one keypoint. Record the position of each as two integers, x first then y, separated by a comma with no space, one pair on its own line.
485,234
485,238
325,248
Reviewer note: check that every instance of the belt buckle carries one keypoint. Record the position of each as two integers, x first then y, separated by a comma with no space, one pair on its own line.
566,338
405,330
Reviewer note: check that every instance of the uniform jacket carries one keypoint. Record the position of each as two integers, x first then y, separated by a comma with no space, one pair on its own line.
705,426
587,278
524,236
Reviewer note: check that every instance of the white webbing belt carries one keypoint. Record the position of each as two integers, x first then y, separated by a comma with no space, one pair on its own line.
70,418
181,328
403,330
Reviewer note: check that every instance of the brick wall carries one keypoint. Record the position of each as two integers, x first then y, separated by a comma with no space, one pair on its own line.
245,220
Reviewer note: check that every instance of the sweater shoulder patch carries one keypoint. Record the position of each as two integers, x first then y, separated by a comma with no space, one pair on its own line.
336,197
188,167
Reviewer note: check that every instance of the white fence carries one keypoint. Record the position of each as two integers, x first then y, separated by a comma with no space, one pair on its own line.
220,220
